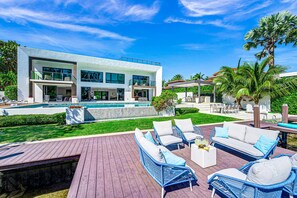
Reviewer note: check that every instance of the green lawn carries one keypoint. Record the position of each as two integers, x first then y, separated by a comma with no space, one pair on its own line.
42,132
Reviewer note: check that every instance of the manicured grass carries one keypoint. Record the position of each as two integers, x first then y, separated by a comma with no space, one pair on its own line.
42,132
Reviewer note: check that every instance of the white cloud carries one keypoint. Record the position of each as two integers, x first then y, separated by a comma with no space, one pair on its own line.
195,46
58,22
217,23
140,12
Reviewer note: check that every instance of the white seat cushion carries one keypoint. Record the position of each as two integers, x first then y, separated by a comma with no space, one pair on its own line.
236,131
138,134
185,125
163,128
252,134
231,172
270,172
294,160
170,139
152,149
162,148
192,136
239,145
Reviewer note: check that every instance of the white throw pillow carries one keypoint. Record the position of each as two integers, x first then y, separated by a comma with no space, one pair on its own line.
294,160
271,171
252,134
236,131
163,128
185,125
138,134
153,150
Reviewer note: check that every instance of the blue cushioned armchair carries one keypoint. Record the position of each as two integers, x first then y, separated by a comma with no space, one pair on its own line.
163,173
292,187
235,188
189,137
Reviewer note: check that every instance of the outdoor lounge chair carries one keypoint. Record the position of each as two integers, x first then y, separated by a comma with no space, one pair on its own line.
163,173
291,188
59,98
241,139
258,179
165,134
187,131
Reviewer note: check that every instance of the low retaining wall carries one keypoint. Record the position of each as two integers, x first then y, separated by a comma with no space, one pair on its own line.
114,113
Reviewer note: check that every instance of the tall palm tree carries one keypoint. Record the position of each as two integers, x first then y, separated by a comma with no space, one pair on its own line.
277,29
177,77
228,82
198,76
260,80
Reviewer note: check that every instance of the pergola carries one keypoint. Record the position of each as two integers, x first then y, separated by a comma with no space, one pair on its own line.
193,83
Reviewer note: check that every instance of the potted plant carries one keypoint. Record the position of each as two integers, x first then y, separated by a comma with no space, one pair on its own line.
75,114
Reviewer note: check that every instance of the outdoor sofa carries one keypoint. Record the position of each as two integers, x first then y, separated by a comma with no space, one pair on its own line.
242,138
259,179
187,131
165,173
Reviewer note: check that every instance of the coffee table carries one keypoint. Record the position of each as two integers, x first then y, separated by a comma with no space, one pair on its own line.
202,157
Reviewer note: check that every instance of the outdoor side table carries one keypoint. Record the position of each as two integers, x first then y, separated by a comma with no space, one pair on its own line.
202,157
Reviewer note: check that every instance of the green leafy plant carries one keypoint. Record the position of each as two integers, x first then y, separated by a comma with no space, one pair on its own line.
186,110
11,92
18,120
165,100
179,101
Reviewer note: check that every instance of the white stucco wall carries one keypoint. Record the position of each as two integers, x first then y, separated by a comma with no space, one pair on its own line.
23,75
264,101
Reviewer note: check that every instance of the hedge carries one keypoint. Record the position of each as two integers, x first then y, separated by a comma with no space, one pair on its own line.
186,110
291,100
17,120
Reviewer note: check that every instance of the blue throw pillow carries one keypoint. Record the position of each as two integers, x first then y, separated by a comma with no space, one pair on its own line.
149,137
264,144
170,158
221,132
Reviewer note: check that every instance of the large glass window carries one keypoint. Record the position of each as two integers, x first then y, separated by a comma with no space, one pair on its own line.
85,93
91,76
115,78
141,80
51,73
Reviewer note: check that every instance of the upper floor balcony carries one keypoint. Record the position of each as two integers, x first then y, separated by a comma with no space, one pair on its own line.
143,83
52,76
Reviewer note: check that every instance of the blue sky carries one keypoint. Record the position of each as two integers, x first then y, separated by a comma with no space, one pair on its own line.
186,36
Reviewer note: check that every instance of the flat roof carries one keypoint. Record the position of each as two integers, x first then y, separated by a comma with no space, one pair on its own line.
191,83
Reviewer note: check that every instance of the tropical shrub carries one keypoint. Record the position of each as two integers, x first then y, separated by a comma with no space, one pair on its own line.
179,101
164,101
291,100
11,92
18,120
186,110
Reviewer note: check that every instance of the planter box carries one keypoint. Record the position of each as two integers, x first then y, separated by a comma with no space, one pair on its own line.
75,115
170,111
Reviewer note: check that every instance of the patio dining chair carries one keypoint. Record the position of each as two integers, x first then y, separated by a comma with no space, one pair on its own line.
187,131
165,134
258,179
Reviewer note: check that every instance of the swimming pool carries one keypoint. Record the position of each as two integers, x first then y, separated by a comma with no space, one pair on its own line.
87,105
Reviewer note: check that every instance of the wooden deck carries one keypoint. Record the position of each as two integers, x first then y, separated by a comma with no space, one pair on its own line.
109,166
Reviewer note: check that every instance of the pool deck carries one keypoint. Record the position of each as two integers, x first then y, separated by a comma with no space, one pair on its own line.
109,166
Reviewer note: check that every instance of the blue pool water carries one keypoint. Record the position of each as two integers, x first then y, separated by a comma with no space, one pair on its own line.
87,105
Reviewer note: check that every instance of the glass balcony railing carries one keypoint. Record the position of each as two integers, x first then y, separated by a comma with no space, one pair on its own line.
142,82
56,76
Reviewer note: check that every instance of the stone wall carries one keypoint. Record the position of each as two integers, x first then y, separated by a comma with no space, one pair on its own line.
114,113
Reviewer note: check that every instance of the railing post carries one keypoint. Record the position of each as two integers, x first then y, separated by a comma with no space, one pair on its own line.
256,116
285,112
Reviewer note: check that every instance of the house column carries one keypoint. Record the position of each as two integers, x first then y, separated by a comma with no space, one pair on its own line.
199,91
214,93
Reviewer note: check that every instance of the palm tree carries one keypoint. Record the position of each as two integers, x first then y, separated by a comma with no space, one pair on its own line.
277,29
177,77
228,82
198,76
260,80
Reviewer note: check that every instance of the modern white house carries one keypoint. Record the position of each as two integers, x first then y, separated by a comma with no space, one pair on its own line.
55,76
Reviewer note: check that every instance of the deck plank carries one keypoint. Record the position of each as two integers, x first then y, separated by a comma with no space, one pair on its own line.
109,166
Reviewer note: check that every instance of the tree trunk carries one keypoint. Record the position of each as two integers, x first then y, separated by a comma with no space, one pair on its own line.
271,53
